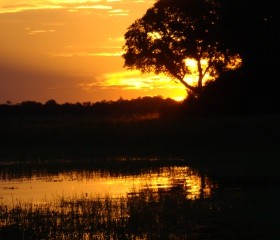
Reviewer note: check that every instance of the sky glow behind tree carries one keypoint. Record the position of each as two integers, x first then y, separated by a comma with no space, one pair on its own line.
71,51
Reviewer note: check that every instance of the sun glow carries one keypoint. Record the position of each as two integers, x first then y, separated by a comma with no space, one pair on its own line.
192,65
134,80
75,58
192,77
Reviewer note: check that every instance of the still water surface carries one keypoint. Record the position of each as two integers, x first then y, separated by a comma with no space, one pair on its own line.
42,187
187,204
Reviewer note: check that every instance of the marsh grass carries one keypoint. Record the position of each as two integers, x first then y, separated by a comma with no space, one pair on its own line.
148,214
65,218
220,146
144,215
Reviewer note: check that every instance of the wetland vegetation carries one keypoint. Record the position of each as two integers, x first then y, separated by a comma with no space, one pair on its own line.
85,215
223,141
190,205
236,155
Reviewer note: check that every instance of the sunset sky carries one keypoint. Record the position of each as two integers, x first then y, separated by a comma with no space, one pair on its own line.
70,51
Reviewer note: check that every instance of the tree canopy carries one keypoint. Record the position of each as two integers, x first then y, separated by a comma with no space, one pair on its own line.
252,30
175,31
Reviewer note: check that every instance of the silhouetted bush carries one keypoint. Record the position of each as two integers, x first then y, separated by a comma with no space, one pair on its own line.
138,106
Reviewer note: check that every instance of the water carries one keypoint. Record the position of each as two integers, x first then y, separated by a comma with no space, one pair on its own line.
158,200
39,187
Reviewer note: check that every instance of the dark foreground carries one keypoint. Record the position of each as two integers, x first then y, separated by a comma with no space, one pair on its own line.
240,207
167,215
86,135
241,154
238,144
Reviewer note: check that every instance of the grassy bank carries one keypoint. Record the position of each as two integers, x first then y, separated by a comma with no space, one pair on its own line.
211,140
144,215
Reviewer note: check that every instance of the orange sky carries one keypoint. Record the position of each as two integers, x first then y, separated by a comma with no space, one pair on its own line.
70,51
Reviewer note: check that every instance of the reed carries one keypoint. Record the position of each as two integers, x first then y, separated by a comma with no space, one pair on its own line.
65,218
148,214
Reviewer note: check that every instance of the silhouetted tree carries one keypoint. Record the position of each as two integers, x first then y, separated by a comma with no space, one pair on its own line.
173,32
52,107
224,96
30,107
252,30
121,107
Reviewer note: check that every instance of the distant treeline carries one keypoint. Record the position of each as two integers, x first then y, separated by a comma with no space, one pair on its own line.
141,105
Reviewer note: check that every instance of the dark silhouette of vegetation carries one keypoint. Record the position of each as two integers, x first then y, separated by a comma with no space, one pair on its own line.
171,33
87,136
240,152
252,30
148,214
114,127
134,107
218,31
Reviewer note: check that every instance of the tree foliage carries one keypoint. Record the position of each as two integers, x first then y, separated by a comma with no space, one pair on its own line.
252,30
173,31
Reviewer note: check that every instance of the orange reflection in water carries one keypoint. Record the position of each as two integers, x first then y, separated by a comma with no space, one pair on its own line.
38,189
194,185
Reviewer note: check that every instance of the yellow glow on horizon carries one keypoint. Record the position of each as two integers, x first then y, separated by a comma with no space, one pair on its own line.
150,84
74,48
178,98
135,78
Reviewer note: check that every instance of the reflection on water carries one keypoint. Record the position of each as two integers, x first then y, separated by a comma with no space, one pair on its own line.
45,187
135,200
